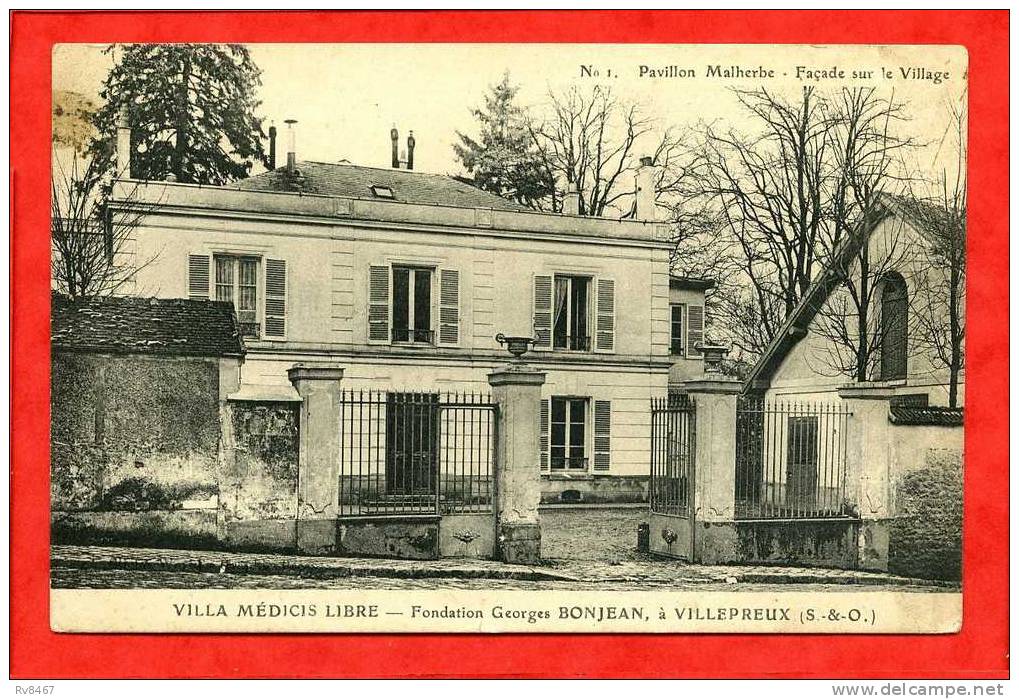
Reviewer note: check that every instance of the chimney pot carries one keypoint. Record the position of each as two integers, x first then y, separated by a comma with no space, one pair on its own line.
410,151
291,145
394,136
272,146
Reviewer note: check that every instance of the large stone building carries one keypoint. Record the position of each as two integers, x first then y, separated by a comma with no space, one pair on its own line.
404,279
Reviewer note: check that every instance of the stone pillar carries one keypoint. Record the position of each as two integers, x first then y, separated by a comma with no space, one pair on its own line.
318,456
715,468
517,391
868,468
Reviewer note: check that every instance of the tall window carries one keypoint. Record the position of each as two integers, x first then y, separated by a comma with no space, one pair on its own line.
570,322
676,336
894,334
237,282
569,434
412,305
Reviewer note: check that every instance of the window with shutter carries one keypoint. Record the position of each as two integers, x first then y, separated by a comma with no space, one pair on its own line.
695,330
449,307
275,298
378,304
543,434
198,276
543,311
676,334
236,281
605,334
412,305
602,435
568,442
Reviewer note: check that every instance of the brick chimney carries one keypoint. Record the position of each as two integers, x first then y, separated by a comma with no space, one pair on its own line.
410,151
123,145
571,200
394,135
645,207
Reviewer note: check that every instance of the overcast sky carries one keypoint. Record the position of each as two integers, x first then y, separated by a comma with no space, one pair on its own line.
346,97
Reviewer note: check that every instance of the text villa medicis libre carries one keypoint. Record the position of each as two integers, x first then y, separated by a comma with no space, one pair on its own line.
806,74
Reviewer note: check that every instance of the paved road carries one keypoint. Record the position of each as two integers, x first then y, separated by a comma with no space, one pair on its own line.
146,579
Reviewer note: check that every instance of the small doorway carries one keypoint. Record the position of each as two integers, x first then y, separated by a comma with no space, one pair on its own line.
801,464
412,443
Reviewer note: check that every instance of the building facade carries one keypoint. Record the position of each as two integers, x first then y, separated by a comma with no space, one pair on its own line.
404,279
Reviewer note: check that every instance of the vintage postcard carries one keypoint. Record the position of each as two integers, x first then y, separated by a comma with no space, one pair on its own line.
508,338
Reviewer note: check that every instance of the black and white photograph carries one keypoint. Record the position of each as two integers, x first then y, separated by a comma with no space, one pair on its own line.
507,337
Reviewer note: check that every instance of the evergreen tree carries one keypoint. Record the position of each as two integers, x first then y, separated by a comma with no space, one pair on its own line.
504,159
191,109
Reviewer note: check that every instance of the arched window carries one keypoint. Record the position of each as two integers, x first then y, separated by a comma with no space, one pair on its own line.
894,336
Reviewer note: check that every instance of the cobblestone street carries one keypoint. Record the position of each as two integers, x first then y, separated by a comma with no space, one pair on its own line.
571,565
144,579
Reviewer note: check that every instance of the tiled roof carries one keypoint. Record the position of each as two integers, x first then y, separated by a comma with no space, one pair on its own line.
356,181
925,415
131,325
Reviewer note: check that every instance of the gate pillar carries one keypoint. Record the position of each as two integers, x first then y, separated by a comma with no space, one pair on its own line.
318,456
867,468
517,391
715,457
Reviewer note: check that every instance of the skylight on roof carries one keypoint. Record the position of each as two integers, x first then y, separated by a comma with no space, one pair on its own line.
382,191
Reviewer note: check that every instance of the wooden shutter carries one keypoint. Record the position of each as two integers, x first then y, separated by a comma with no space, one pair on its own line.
894,338
543,434
605,328
695,330
198,276
275,298
449,307
543,311
378,304
602,435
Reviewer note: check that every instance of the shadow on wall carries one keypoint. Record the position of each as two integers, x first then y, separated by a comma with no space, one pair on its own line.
925,539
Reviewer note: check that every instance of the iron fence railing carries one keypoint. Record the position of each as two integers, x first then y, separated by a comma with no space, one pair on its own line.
673,440
416,453
790,460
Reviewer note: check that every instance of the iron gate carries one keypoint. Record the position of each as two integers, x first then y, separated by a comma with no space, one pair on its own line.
407,453
790,459
673,474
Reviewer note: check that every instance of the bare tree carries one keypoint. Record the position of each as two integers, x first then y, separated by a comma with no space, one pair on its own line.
788,195
90,243
867,162
941,218
769,189
589,140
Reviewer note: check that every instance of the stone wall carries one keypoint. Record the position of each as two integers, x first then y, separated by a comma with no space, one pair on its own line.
925,536
132,433
258,480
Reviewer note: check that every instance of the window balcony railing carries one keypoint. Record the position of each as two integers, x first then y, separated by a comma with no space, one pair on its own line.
578,343
569,463
414,335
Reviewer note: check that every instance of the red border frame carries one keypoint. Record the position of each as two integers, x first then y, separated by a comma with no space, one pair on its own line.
979,651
